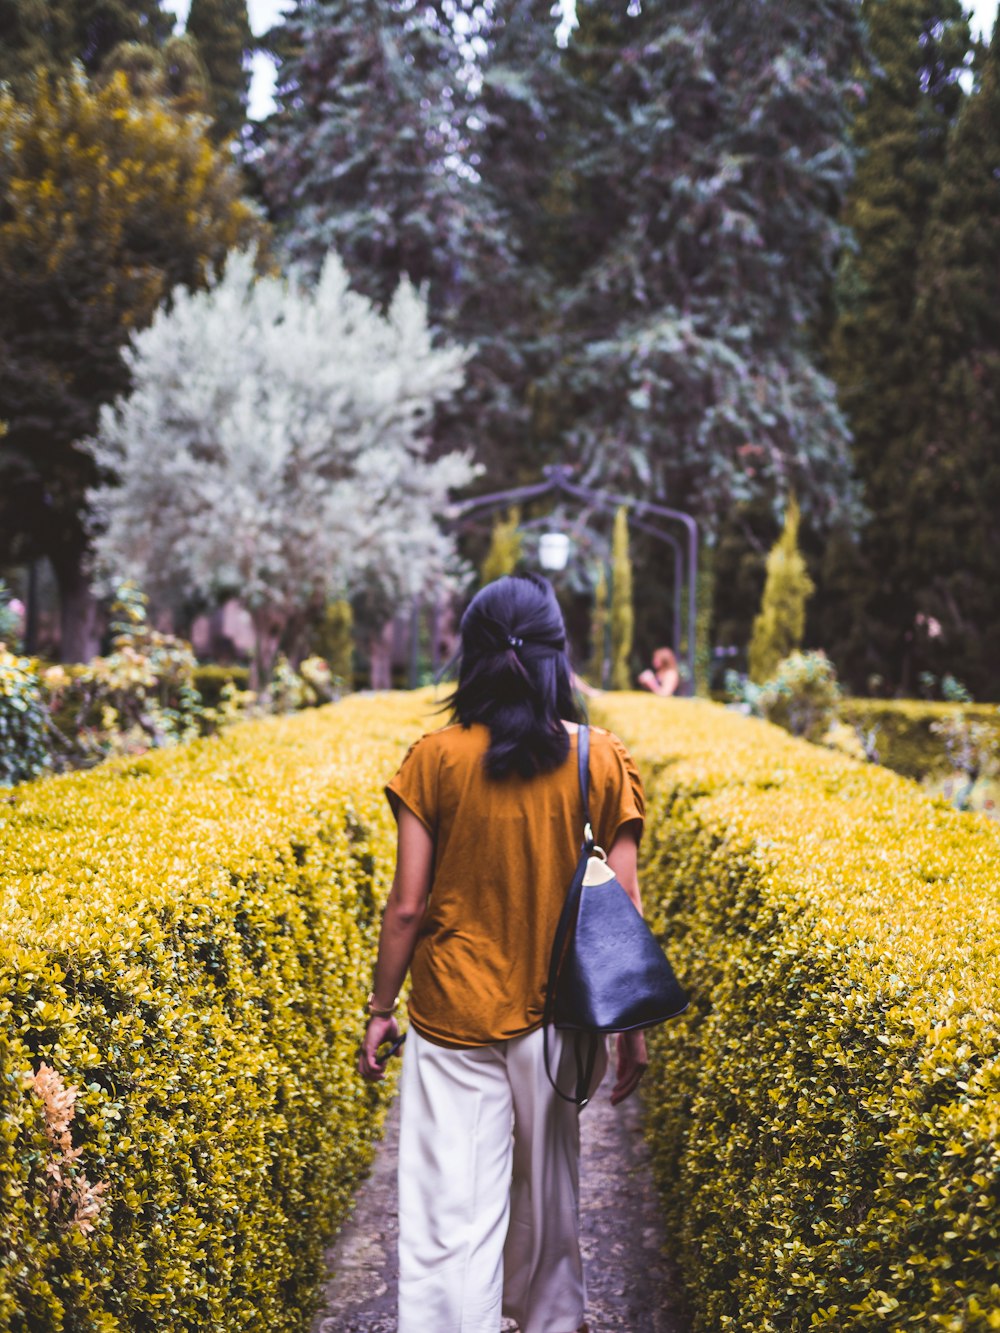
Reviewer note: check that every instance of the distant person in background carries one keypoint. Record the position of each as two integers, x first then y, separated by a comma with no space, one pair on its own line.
662,677
584,687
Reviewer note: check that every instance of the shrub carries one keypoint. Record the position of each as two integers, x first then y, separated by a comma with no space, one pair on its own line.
824,1120
973,749
802,696
141,696
10,614
504,549
186,941
210,679
24,748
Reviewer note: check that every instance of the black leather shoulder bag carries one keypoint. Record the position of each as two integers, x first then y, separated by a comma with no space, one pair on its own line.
607,972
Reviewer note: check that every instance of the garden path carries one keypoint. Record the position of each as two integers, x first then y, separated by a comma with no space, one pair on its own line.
632,1285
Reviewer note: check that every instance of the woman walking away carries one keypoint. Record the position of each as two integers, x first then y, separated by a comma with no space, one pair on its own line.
490,821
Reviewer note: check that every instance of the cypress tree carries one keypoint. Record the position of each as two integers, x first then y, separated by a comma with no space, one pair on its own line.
599,666
622,614
221,29
708,189
781,622
505,548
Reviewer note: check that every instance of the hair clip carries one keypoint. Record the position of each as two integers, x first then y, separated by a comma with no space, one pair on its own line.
514,641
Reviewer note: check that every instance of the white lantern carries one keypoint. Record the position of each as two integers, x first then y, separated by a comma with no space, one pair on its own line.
553,551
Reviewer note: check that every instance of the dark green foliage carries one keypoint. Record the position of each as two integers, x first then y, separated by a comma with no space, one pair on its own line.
950,532
105,205
221,30
173,73
714,173
877,353
54,33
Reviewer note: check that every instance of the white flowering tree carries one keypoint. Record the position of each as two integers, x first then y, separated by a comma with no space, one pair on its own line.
274,447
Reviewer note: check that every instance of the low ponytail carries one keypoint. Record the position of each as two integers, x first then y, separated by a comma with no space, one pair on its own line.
514,675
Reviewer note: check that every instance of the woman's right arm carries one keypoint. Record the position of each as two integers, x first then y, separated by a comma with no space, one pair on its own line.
404,911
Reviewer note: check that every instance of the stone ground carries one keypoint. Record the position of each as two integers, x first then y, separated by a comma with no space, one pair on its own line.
631,1283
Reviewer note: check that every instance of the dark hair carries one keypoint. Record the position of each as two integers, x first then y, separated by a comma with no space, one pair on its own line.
514,675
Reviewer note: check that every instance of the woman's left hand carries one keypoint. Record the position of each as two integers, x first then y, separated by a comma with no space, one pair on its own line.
379,1030
632,1064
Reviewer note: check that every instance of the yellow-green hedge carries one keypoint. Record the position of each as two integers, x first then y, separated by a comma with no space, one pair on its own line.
825,1117
187,940
903,736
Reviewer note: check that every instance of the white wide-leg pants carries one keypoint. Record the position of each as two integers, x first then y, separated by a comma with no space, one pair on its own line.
489,1188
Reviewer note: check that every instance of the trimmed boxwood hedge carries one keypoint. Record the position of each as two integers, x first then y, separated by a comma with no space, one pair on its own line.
186,940
825,1118
903,736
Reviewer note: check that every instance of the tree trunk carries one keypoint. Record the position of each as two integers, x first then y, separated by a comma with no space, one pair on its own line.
267,638
380,659
78,639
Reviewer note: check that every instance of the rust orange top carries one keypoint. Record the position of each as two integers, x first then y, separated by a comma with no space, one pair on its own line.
504,854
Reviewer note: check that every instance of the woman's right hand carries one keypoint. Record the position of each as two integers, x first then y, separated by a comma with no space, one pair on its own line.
633,1062
379,1030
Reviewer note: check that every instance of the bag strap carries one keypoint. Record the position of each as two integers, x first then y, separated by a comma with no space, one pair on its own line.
567,919
583,768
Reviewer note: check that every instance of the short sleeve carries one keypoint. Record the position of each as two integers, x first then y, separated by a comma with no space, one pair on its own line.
621,799
416,783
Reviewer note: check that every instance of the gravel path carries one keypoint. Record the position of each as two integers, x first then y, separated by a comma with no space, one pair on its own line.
632,1285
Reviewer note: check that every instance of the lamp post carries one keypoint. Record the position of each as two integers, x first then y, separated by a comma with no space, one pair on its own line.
553,551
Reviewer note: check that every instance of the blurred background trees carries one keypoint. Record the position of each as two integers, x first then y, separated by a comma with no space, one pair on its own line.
717,252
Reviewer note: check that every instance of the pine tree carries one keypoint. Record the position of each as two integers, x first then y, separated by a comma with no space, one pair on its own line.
622,614
359,155
918,49
54,33
221,29
779,627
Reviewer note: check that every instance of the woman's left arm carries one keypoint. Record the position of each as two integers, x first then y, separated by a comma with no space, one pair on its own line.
401,919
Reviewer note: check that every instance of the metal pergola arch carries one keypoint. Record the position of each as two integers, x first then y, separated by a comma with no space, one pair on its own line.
558,480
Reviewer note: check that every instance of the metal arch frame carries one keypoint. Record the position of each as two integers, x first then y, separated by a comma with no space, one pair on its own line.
559,480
